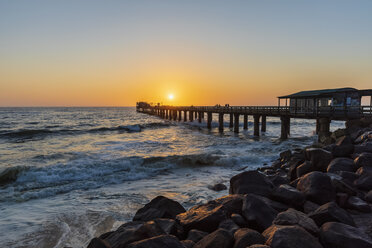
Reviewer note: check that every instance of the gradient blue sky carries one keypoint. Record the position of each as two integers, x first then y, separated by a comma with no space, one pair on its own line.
113,53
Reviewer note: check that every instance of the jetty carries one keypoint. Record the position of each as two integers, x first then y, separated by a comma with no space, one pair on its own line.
322,105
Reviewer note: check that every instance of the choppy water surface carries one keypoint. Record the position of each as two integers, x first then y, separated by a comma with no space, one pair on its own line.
69,174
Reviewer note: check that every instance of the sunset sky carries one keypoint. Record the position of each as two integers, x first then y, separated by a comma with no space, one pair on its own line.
114,53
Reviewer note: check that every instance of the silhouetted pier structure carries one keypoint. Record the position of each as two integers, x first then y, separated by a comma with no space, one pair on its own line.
322,105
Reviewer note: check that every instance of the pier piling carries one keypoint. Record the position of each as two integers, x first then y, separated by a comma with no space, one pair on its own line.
263,123
231,120
285,127
220,122
256,130
209,121
236,123
245,122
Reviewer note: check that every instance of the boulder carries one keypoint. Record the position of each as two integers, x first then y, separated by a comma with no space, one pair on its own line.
343,147
368,196
279,179
331,212
363,170
341,186
98,243
162,241
364,137
348,177
123,235
258,214
245,237
310,206
364,159
159,207
289,237
288,195
187,243
317,187
229,225
292,217
218,187
278,206
341,164
285,156
341,199
292,167
319,158
239,220
231,203
365,147
339,235
219,238
358,204
304,168
250,182
364,182
196,235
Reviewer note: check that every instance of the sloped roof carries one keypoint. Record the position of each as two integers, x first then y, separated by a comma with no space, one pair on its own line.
316,93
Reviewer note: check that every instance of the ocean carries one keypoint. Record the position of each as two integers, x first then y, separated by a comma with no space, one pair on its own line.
70,174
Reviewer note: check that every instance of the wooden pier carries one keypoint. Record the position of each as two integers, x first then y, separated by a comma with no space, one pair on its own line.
305,106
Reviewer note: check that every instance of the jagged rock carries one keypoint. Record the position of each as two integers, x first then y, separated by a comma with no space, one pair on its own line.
289,237
162,241
319,158
331,212
229,225
288,195
293,217
364,159
358,204
245,237
250,182
310,206
159,207
231,203
98,243
341,164
219,238
364,182
304,168
218,187
258,214
187,243
196,235
317,187
239,220
339,235
292,167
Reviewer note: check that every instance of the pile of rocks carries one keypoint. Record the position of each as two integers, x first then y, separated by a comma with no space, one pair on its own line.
312,198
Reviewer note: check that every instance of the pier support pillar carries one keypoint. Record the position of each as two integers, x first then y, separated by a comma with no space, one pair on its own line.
256,130
170,114
285,127
245,122
220,122
175,114
200,117
196,114
203,115
166,114
236,123
231,120
317,126
184,115
191,116
263,123
209,121
179,115
324,125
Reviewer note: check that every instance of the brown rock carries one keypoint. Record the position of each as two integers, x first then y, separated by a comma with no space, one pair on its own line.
250,182
219,238
293,217
245,237
331,212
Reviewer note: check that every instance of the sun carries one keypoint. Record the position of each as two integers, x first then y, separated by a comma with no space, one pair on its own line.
170,96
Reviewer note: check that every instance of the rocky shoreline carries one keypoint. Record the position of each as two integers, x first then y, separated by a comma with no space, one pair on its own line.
315,197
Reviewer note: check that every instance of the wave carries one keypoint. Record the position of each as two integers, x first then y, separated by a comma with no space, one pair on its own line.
24,134
10,174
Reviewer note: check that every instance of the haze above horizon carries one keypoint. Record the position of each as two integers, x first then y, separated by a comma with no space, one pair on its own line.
114,53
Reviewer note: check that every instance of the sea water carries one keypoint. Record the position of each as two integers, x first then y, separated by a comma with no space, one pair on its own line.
70,174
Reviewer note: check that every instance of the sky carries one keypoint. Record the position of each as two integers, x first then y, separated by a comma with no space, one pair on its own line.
115,53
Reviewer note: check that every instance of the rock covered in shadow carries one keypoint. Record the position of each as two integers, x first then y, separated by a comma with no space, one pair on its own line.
317,187
98,243
357,204
343,147
288,195
218,187
341,164
159,207
364,159
229,225
251,182
289,237
331,212
258,214
196,235
187,243
219,238
162,241
304,168
339,235
364,182
239,220
292,217
319,158
245,237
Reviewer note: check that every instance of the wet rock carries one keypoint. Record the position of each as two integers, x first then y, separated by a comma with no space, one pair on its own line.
339,235
196,235
239,220
331,212
319,158
219,238
310,206
289,237
245,237
229,225
304,168
187,243
364,182
293,217
364,159
218,187
98,243
285,156
341,164
358,204
250,182
258,214
162,241
288,195
159,207
317,187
